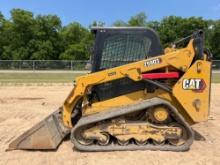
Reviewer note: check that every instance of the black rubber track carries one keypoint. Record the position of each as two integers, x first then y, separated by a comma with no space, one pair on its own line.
123,110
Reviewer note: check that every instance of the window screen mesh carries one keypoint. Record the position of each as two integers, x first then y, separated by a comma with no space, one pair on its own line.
124,48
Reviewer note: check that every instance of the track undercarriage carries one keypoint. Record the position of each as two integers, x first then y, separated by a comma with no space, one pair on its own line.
151,124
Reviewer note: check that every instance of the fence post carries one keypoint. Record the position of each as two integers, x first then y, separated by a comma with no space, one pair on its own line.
71,65
33,64
20,64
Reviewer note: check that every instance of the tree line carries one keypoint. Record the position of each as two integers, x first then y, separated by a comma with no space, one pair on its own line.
42,37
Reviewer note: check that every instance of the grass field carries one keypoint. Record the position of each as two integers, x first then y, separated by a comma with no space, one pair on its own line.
38,77
216,77
53,77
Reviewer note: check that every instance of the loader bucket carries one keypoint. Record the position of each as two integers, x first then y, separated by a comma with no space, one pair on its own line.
46,135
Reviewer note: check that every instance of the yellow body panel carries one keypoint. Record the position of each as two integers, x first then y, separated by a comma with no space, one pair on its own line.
180,59
123,100
196,103
131,98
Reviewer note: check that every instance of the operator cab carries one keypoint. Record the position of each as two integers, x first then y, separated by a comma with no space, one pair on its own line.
118,46
115,46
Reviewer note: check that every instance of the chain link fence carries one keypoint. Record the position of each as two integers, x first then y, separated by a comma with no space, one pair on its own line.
57,65
42,65
216,65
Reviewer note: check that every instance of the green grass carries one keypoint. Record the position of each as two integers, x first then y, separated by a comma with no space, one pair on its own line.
38,77
216,77
53,77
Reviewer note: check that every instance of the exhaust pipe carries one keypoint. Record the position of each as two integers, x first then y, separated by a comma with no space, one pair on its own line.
46,135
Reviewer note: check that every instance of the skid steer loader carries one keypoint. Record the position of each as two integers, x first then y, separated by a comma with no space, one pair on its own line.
137,96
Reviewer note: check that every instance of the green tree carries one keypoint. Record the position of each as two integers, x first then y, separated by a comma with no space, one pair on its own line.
173,28
25,36
16,34
209,32
77,41
1,30
120,23
215,39
155,25
46,43
138,20
97,24
1,17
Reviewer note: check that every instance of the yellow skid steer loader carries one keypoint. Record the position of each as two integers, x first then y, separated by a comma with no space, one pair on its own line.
137,96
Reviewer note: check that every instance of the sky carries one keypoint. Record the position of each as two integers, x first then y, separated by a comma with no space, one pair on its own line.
108,11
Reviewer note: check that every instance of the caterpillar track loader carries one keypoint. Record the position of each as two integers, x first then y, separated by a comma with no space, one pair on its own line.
138,96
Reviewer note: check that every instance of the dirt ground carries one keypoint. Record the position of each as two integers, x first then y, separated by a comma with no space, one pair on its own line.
23,106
